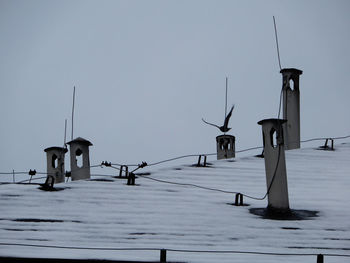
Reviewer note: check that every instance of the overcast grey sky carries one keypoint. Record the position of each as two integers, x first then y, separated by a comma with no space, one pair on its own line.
146,72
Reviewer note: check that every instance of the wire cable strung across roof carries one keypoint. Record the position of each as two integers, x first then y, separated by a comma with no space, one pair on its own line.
240,151
325,138
175,250
10,173
119,164
187,156
180,157
235,192
220,190
33,179
112,166
185,184
272,180
33,173
144,164
109,175
249,149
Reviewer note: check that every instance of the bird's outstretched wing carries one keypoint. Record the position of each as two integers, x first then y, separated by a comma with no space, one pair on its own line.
228,117
210,123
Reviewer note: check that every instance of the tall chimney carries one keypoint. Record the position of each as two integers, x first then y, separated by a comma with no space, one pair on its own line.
275,164
291,107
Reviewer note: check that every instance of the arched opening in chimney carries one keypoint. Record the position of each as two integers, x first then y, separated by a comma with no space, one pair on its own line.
79,157
54,161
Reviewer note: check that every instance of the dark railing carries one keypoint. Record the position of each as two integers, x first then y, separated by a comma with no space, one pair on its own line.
162,252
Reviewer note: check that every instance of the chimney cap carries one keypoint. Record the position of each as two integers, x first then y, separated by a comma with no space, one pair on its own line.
80,140
292,70
56,148
225,136
275,121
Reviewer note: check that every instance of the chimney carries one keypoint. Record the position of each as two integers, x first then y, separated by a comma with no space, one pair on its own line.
79,158
225,146
291,107
55,163
275,164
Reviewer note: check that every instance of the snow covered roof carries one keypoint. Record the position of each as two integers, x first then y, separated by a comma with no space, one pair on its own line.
106,213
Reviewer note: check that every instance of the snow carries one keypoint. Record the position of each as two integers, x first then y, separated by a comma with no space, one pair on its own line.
158,215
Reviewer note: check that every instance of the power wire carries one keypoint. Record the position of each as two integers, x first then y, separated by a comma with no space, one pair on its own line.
249,149
325,138
180,157
28,180
185,184
223,191
186,156
144,164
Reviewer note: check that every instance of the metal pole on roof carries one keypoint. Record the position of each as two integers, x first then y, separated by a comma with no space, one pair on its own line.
163,256
278,50
65,133
73,112
226,99
319,258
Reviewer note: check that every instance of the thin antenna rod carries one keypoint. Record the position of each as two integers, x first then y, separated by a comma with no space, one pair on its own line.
226,99
73,112
278,50
65,133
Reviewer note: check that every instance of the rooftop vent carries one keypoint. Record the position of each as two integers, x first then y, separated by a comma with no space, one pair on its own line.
55,163
225,146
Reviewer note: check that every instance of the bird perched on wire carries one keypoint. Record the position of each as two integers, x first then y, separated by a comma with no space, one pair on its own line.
225,127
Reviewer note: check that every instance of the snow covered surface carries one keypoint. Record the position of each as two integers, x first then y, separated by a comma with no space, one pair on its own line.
109,213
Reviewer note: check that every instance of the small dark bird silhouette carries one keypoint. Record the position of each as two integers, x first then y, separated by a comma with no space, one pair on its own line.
225,127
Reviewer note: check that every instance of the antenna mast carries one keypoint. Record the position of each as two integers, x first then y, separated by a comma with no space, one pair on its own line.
226,99
278,50
279,63
73,112
65,133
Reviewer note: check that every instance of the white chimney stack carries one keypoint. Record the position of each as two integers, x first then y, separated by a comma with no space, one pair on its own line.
79,158
291,107
275,164
55,163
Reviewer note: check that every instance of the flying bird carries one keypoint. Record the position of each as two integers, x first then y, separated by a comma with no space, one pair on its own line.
225,127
